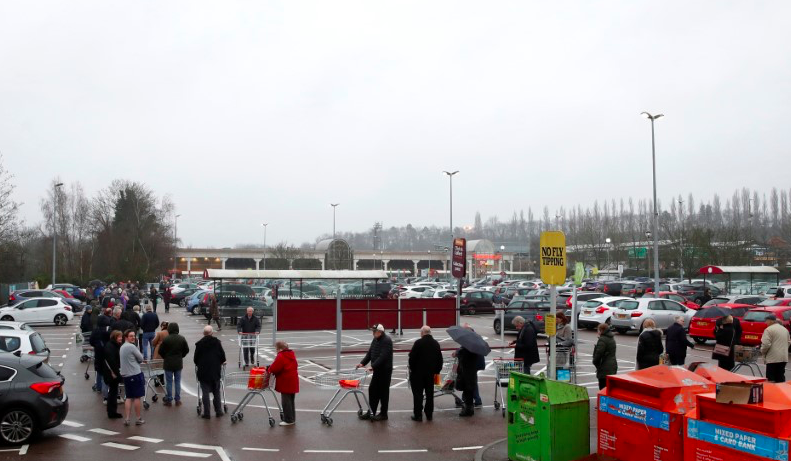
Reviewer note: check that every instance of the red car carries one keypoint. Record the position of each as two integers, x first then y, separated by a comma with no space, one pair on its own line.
775,302
66,294
674,297
754,322
701,326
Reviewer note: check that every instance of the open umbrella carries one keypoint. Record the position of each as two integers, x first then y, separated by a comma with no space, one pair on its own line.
469,340
96,283
714,312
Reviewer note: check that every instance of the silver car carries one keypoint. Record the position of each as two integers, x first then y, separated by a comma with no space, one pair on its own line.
630,315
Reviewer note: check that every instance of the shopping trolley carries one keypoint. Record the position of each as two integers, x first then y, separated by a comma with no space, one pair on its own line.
446,384
747,357
84,339
153,372
222,391
565,362
347,381
254,385
502,373
248,340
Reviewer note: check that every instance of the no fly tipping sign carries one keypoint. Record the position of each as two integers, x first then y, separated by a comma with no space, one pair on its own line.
553,257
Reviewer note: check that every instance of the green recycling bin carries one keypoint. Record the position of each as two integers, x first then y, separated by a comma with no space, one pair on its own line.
547,420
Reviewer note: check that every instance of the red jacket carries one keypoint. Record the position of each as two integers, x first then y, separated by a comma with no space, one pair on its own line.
285,370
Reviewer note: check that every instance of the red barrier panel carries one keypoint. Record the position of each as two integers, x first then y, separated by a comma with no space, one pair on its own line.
360,314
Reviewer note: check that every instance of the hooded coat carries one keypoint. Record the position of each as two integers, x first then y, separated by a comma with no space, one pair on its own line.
173,349
285,370
209,357
604,355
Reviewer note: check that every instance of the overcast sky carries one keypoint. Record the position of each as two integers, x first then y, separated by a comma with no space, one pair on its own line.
249,112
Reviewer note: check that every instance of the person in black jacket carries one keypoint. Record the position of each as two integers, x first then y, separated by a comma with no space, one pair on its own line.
676,343
85,321
467,380
249,325
149,324
525,346
112,372
726,336
119,323
380,354
425,361
209,359
97,340
649,345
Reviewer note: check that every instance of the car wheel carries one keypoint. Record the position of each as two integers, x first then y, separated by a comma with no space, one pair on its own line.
699,340
497,326
471,309
60,320
182,303
17,426
7,318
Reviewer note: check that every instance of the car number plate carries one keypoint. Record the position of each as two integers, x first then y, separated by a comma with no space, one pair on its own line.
623,316
587,312
750,337
703,324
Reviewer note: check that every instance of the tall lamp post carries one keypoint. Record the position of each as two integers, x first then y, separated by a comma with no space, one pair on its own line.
55,231
655,231
681,241
333,205
175,241
607,241
264,226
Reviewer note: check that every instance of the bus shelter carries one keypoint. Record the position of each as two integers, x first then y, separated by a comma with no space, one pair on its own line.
742,279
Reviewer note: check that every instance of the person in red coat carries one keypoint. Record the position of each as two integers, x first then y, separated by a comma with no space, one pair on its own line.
284,368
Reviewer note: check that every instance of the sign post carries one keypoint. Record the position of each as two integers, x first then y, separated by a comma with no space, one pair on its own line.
459,270
553,273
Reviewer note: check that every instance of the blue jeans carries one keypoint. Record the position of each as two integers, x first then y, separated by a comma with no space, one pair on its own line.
147,339
169,375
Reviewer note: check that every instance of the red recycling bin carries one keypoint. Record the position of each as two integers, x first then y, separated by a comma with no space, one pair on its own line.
717,375
641,413
745,432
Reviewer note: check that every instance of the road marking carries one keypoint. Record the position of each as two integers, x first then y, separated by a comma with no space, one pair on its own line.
23,449
145,439
103,431
197,446
468,448
418,450
76,437
188,454
72,423
329,451
120,446
269,450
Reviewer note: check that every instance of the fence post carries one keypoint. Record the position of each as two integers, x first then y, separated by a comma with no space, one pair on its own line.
424,316
339,327
502,330
274,322
400,330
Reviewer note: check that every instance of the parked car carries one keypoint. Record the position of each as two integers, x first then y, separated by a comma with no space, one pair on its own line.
674,297
180,298
535,311
73,290
76,304
695,292
754,322
473,302
630,315
636,289
736,299
20,295
32,399
701,327
196,301
598,310
775,302
669,287
38,310
414,291
180,287
26,341
9,325
437,293
582,297
611,288
591,286
264,294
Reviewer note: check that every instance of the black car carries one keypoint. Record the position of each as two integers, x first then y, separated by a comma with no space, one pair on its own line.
531,311
695,292
181,297
31,398
473,302
73,290
611,288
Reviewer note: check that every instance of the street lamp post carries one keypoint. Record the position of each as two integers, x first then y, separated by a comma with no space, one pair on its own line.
264,226
55,232
333,218
656,212
681,241
607,241
502,260
450,176
175,241
429,264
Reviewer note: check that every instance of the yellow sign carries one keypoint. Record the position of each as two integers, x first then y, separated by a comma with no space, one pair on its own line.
553,257
550,327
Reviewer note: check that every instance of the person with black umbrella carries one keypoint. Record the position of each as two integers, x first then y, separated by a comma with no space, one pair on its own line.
380,355
472,347
425,361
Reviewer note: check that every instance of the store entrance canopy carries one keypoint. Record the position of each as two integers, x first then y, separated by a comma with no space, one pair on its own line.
743,279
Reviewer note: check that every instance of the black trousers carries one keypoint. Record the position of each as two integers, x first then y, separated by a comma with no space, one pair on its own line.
219,327
112,397
677,359
154,303
422,385
602,383
249,355
211,387
776,372
379,390
289,407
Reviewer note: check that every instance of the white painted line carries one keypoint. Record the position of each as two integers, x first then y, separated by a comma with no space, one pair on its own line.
9,449
103,431
222,454
188,454
468,448
268,450
120,446
145,439
197,446
329,451
23,449
419,450
76,437
72,423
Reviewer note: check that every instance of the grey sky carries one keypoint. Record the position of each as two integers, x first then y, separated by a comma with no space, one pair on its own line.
250,112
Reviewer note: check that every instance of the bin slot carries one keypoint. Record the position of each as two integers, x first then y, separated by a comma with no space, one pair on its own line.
635,392
529,393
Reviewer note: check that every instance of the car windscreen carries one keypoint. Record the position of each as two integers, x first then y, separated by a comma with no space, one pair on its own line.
714,301
770,302
756,316
628,305
627,286
593,303
43,370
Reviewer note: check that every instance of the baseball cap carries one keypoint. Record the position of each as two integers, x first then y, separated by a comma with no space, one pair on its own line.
378,327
